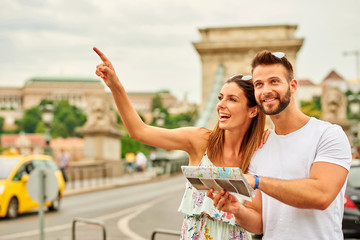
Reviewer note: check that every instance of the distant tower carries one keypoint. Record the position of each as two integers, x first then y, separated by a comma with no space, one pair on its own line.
235,47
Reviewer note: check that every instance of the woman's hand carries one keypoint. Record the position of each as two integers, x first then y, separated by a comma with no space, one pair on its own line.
248,217
224,201
265,136
105,70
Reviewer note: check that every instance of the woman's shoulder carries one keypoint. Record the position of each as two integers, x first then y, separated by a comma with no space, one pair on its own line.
198,138
197,131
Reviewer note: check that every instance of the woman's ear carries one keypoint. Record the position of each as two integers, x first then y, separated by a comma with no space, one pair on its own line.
254,111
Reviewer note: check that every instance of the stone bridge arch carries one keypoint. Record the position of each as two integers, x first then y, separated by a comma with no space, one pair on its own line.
234,48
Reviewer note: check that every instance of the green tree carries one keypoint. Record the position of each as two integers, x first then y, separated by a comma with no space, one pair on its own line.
348,93
59,129
156,102
312,108
30,120
131,145
40,127
181,119
118,118
66,119
45,102
2,120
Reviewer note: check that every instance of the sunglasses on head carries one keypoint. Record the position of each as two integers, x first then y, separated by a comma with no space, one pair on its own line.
278,54
245,78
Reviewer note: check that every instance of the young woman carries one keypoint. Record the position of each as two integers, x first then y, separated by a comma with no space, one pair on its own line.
232,142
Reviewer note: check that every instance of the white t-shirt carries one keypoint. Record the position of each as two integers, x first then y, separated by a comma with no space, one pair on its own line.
291,157
64,159
140,159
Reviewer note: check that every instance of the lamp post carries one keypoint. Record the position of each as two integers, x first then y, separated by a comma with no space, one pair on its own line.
356,53
159,117
47,115
354,106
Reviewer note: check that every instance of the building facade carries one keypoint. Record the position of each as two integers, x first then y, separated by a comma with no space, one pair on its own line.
78,91
307,90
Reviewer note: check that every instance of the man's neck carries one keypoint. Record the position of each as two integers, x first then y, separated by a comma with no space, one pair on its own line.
289,120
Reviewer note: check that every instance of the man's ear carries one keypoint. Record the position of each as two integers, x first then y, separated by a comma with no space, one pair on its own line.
293,85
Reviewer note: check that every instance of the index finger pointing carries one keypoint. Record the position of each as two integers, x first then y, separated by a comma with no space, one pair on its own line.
101,55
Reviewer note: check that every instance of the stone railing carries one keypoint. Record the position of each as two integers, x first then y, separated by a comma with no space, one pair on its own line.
85,174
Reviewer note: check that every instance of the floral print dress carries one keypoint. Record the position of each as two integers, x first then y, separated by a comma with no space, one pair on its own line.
203,221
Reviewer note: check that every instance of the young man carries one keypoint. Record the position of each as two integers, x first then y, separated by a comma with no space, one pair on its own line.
302,169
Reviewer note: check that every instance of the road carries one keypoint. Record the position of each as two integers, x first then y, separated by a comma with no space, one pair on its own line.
128,213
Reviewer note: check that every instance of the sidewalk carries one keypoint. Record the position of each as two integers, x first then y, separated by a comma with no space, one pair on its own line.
89,185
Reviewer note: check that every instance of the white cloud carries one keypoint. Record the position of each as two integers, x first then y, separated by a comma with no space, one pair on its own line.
149,42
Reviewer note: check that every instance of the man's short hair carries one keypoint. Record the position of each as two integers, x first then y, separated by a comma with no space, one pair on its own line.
268,58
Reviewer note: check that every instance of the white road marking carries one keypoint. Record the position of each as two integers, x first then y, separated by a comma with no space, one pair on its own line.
68,225
123,223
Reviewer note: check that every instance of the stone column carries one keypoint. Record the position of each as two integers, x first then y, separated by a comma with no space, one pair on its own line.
102,136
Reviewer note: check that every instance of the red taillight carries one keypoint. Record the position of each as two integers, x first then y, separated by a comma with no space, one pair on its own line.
348,203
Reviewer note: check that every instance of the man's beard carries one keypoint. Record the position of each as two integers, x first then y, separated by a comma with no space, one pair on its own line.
284,102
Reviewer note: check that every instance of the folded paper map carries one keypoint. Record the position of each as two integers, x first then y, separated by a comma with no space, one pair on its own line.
231,179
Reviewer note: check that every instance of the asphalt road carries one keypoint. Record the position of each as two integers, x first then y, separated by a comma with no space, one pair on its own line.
128,213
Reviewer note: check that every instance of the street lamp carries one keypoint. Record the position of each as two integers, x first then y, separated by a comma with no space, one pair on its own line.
47,115
159,117
354,106
356,54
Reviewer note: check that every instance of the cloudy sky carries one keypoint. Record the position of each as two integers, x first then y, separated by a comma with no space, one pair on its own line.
150,41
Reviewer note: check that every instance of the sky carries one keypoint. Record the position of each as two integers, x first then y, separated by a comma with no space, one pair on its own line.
150,42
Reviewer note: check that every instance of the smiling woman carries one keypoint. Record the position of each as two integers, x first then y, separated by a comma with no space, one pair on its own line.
232,142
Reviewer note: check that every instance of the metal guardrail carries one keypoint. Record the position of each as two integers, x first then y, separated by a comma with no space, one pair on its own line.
88,221
164,232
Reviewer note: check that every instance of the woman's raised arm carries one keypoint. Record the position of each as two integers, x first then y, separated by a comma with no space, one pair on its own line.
181,138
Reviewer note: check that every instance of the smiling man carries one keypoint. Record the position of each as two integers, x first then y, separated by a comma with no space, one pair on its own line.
302,169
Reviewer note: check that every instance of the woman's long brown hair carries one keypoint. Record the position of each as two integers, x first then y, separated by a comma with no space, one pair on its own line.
253,135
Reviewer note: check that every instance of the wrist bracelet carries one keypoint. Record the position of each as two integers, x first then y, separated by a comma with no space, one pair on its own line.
256,182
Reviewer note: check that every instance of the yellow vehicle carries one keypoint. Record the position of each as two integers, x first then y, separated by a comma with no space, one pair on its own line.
14,174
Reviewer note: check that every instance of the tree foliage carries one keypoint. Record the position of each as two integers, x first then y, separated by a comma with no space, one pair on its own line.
2,121
66,119
131,145
30,120
156,102
161,118
312,108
